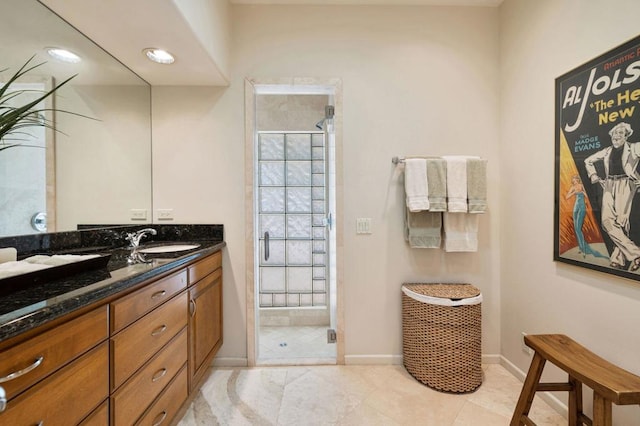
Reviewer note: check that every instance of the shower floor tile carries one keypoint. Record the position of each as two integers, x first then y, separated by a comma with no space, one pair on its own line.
293,344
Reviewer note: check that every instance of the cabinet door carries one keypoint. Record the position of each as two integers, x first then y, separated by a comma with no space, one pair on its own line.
26,363
205,322
66,397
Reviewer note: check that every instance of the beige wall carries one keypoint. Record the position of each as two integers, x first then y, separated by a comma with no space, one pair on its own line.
416,81
539,41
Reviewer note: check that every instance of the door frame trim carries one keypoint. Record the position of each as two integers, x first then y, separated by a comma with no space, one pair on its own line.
296,86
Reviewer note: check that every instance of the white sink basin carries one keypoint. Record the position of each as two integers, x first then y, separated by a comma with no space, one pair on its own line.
169,248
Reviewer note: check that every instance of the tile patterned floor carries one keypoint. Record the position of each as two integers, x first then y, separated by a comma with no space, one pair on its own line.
288,345
353,395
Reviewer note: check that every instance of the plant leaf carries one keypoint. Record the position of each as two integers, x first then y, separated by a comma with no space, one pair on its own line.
13,119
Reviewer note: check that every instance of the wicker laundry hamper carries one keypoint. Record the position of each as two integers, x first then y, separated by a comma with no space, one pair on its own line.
441,335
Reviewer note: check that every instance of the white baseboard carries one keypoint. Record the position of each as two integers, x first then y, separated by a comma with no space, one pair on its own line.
230,362
373,359
547,397
491,359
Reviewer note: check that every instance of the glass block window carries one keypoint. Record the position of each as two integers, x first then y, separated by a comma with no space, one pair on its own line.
299,226
299,173
271,147
272,173
292,209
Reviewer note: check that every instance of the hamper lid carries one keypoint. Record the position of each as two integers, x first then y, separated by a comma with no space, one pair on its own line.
444,294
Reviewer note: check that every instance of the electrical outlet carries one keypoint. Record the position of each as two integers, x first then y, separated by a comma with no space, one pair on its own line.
165,214
526,349
138,214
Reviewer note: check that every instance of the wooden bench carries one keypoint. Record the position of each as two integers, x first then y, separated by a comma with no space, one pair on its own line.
610,384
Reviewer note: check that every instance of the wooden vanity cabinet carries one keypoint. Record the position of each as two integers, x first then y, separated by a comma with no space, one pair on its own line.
131,361
61,375
151,349
205,315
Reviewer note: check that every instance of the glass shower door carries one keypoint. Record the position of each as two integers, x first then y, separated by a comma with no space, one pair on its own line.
292,217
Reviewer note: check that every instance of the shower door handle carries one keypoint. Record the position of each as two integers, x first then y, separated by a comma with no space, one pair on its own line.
266,246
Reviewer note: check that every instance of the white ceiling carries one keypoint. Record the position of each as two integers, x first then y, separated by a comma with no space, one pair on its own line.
124,28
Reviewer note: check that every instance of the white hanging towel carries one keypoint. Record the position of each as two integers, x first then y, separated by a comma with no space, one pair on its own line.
460,232
457,182
415,184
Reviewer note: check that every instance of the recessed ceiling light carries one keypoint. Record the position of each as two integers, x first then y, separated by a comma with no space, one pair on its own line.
63,55
158,55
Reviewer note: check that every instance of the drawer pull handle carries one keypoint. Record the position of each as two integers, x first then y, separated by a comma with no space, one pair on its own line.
40,423
159,375
3,399
22,372
192,307
159,330
158,294
162,416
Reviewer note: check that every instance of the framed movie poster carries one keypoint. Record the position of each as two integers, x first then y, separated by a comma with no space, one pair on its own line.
597,153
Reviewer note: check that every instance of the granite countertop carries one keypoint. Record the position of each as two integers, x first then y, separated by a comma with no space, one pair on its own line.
31,307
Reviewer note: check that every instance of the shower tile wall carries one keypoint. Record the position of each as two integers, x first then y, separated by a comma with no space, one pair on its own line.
291,180
295,113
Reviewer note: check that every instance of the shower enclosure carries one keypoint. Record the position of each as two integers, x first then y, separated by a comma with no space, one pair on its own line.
293,199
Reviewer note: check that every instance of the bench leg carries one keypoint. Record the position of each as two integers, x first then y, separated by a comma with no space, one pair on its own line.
528,390
601,410
575,402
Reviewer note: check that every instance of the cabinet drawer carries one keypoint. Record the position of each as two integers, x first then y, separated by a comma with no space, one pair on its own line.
99,417
135,396
168,403
43,354
126,310
201,269
67,396
134,345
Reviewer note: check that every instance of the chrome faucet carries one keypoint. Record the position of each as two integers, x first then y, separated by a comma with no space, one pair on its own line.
134,238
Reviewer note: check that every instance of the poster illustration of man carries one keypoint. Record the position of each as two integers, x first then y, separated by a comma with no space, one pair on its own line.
597,214
619,185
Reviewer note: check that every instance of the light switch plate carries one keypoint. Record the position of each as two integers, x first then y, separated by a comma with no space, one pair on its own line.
363,225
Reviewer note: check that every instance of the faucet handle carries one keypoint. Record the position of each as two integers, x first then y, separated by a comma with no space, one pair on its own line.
131,237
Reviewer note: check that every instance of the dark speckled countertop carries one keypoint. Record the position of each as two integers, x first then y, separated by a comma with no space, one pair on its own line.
31,307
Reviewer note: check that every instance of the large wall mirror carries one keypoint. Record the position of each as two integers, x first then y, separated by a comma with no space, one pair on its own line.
88,171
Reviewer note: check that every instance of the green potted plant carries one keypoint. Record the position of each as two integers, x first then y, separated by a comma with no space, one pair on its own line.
14,119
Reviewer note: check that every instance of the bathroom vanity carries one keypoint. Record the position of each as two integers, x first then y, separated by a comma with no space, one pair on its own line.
124,350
